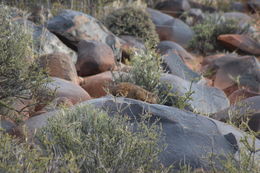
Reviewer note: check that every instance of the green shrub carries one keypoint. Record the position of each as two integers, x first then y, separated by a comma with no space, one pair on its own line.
20,77
16,156
206,33
93,7
132,21
146,71
222,5
102,143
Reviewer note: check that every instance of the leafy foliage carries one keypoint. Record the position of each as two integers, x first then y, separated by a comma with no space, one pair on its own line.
102,143
206,33
132,21
20,76
16,156
146,72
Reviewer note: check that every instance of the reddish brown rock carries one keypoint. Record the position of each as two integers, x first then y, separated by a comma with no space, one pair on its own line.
241,94
208,59
94,57
95,85
242,43
57,103
59,65
69,90
230,73
130,44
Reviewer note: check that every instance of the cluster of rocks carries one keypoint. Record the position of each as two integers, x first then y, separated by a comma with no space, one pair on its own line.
80,54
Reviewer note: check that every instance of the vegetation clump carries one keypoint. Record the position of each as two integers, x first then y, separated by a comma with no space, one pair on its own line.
20,77
17,156
146,71
206,33
101,143
132,21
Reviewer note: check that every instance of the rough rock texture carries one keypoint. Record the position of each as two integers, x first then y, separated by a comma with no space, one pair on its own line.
45,42
158,17
94,57
57,103
205,100
241,94
174,64
164,46
6,125
67,89
59,65
241,43
188,136
254,5
231,72
96,85
130,44
249,107
73,26
174,8
175,30
239,6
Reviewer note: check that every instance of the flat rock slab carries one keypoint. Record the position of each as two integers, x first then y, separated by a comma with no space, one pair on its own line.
241,43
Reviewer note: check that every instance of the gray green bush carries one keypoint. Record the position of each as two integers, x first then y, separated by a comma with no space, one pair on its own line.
132,21
206,33
17,156
20,77
146,71
102,143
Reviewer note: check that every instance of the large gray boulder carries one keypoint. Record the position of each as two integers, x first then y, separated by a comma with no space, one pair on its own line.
44,42
175,30
73,26
174,64
158,17
6,125
189,137
205,99
164,46
246,109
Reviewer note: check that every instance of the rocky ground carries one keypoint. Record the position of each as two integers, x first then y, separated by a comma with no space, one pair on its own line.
82,57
